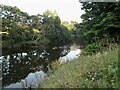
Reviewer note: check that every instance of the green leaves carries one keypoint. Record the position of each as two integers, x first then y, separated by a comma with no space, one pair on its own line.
42,30
54,31
100,20
91,48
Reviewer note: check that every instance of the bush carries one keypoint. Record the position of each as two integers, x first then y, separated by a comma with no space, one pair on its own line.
92,48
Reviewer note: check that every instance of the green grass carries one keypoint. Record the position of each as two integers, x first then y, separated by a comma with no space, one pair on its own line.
95,71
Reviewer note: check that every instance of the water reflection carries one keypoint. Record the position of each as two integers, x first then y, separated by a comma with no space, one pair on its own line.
33,79
21,69
70,56
74,53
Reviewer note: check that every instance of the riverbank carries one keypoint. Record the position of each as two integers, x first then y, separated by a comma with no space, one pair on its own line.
95,71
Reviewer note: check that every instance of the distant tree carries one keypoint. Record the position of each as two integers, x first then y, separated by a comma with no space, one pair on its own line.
54,30
70,26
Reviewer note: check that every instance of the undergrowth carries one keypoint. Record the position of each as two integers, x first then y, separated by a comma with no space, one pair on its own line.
92,71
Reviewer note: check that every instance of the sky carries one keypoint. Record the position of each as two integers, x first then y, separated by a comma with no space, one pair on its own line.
67,10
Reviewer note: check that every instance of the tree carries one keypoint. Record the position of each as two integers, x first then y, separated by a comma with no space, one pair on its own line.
54,31
100,21
70,26
42,30
15,24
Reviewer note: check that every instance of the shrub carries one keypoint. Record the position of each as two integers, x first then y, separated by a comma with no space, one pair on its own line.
92,48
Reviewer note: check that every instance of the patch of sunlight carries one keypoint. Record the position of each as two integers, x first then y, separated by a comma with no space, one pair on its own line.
36,30
4,33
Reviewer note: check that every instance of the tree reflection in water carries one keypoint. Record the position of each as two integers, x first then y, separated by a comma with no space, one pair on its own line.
18,65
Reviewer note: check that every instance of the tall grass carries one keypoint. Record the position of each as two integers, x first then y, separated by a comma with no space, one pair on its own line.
92,71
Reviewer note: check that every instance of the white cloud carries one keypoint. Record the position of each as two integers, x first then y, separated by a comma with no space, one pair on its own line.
68,10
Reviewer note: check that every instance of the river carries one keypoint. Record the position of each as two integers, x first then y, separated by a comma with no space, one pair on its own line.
28,67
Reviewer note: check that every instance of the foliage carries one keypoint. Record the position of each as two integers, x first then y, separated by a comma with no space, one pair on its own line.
54,31
101,21
41,30
96,71
91,48
70,26
55,64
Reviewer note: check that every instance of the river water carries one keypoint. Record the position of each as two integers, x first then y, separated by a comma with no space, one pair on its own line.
27,68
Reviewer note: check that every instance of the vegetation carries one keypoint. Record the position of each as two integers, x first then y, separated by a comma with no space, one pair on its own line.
20,29
98,33
101,24
95,71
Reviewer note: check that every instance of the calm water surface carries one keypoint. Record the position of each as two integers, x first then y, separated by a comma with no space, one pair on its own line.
27,68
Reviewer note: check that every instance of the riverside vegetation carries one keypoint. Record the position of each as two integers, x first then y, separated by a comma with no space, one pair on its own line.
97,67
98,70
98,34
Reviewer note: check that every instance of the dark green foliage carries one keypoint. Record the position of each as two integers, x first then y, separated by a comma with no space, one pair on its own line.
54,31
91,49
41,30
101,24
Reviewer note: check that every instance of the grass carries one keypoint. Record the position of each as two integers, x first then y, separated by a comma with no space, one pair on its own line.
95,71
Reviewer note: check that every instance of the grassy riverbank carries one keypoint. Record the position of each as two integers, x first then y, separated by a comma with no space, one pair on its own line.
95,71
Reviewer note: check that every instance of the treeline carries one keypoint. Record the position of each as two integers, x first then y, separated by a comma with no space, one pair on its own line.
100,26
20,29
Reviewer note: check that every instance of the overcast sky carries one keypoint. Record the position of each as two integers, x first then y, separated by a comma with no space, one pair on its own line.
67,10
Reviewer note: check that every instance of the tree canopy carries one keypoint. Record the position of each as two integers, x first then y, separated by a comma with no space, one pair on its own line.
101,23
20,28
